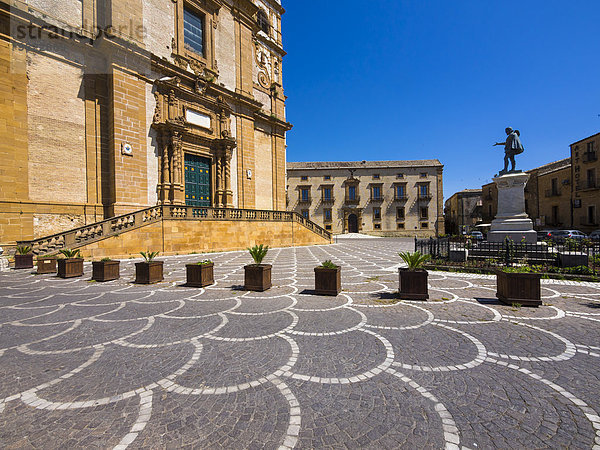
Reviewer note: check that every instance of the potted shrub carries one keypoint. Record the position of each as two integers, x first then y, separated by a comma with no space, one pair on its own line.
518,285
149,271
257,276
328,279
46,264
105,270
200,274
413,279
23,257
71,265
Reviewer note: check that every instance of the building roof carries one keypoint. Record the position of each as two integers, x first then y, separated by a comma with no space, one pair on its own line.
585,139
315,165
553,166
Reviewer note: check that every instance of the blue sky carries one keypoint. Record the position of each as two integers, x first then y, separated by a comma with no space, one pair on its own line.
422,79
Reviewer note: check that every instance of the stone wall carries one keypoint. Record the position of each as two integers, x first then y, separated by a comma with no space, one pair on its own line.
171,237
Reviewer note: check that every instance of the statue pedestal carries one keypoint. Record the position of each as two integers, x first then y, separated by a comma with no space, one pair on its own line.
512,220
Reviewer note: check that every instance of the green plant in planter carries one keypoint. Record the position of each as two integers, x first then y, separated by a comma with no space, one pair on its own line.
414,260
202,263
23,249
328,265
106,259
70,254
258,253
149,256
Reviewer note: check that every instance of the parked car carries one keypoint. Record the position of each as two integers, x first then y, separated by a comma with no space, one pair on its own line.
561,235
477,235
544,235
595,235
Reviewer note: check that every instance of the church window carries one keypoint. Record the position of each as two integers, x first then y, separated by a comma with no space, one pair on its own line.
193,31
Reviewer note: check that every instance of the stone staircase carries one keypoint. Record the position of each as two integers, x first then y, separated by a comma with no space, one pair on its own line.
115,226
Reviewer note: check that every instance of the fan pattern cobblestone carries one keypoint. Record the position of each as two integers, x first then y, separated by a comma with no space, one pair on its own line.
121,365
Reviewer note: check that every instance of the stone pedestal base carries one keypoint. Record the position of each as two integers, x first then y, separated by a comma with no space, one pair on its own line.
528,237
511,220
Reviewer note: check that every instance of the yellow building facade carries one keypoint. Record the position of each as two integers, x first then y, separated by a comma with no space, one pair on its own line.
382,198
111,107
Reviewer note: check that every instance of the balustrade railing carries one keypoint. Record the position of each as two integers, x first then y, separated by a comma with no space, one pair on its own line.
116,225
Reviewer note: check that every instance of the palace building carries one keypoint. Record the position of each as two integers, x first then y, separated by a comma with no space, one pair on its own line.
108,107
383,198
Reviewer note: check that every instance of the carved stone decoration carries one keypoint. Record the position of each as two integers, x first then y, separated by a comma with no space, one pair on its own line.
158,108
263,80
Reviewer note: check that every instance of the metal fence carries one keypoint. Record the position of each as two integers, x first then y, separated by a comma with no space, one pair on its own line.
510,252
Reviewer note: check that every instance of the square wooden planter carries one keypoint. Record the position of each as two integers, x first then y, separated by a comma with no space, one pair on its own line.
413,284
328,281
46,265
149,272
70,267
200,275
522,288
105,270
24,261
257,277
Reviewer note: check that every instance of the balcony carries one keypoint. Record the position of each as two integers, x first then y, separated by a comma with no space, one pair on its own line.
352,200
553,193
377,199
424,197
327,200
590,157
401,198
590,184
304,200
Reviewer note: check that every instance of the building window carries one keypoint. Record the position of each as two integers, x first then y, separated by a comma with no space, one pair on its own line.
592,215
328,227
305,214
399,176
327,214
376,213
263,21
423,175
351,192
424,191
375,192
400,191
400,213
489,210
327,177
193,31
304,195
376,176
326,191
424,212
424,225
377,226
591,178
304,178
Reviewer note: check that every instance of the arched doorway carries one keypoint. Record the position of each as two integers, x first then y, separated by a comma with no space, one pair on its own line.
352,223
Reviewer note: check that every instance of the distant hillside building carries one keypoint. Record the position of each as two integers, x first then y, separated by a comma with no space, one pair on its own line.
462,211
384,198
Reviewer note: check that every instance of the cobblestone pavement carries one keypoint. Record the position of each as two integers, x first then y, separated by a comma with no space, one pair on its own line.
85,364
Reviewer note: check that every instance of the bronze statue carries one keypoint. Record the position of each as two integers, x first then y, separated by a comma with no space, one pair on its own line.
512,147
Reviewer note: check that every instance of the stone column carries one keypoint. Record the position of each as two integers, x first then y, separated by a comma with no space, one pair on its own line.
218,180
228,198
165,180
178,191
512,220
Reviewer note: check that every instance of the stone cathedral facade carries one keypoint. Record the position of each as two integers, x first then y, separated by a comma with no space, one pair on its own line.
108,107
